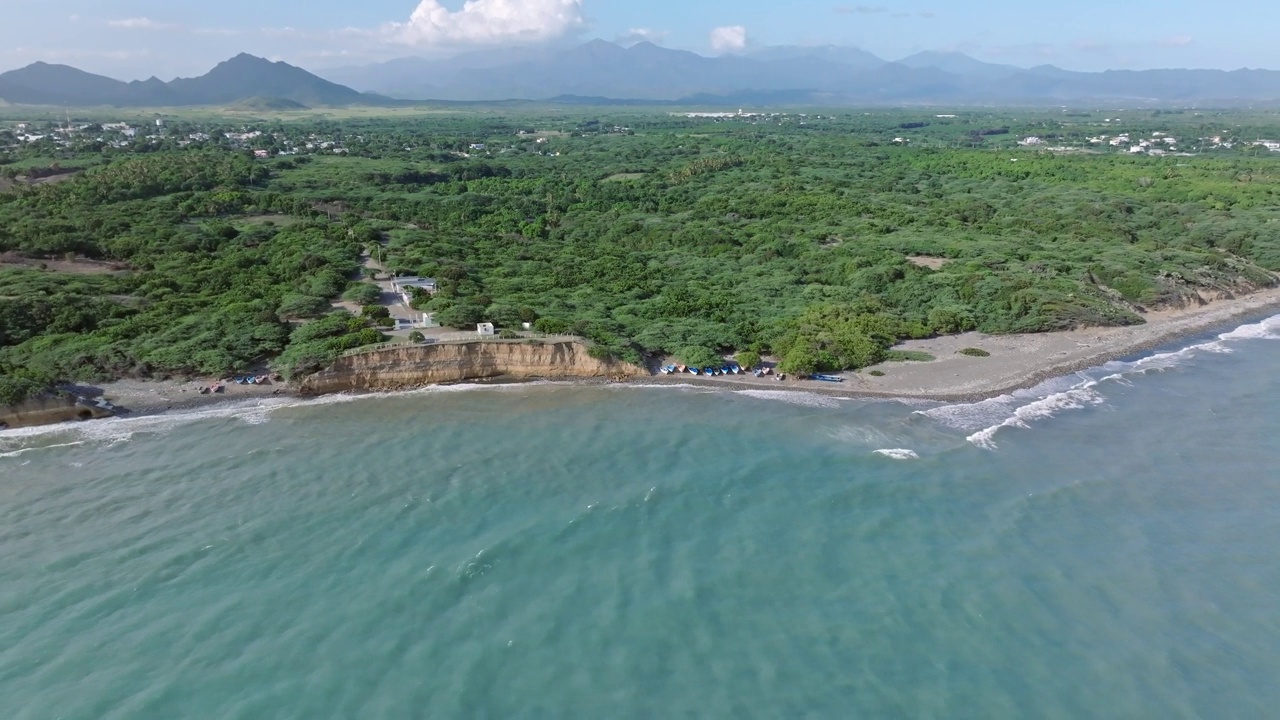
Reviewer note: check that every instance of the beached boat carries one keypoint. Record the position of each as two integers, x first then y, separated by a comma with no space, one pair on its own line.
827,378
695,371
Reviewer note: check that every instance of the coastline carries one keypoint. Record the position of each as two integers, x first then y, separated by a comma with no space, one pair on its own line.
1016,362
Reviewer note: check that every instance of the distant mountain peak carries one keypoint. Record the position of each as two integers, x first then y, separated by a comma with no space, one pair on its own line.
239,78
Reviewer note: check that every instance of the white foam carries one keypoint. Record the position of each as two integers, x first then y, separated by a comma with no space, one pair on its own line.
20,451
1076,398
898,454
1268,329
1023,407
792,397
253,411
121,429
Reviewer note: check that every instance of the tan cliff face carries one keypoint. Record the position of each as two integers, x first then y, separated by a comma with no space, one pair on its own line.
47,411
417,365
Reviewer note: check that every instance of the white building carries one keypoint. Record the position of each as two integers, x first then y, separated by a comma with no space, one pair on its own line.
485,330
404,286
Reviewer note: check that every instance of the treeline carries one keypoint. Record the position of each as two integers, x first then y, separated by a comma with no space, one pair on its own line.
808,239
204,294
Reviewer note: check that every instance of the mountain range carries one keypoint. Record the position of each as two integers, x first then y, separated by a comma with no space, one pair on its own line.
242,78
602,72
821,75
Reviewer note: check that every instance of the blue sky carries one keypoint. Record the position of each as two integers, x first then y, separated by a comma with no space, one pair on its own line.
137,38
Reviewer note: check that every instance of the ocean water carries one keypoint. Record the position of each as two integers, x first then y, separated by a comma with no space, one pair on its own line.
1104,545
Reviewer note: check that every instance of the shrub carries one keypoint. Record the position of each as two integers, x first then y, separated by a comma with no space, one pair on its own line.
908,356
302,306
748,359
951,319
461,316
416,336
363,294
876,373
551,326
799,360
508,334
697,356
375,312
975,352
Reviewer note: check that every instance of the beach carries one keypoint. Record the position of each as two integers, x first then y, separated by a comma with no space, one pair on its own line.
146,397
1014,362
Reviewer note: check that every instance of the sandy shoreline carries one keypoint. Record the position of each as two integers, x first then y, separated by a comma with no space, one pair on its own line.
1015,362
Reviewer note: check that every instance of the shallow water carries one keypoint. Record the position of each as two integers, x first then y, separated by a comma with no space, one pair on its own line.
1101,546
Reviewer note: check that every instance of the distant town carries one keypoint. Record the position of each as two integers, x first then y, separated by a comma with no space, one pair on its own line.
266,140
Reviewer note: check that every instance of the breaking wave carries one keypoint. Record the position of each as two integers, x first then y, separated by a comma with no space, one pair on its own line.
898,454
792,397
109,431
984,420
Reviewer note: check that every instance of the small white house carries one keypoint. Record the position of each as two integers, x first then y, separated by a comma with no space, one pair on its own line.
404,286
485,330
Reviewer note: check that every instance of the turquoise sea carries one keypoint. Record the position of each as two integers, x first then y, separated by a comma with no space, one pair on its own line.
1104,546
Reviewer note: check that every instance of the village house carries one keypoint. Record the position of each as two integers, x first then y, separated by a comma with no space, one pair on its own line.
485,330
405,287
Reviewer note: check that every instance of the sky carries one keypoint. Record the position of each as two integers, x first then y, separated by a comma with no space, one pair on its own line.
135,39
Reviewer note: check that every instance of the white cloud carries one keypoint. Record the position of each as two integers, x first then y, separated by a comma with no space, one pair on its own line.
637,35
140,23
729,38
1177,41
482,22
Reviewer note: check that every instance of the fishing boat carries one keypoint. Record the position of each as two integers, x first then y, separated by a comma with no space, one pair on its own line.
695,371
827,378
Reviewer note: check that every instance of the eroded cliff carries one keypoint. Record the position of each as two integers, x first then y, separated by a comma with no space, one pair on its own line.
416,365
47,411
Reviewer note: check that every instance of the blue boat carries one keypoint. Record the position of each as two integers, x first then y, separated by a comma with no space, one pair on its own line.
726,370
695,371
827,378
735,369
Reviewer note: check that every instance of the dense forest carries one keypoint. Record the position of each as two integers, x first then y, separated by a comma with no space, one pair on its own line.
822,240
